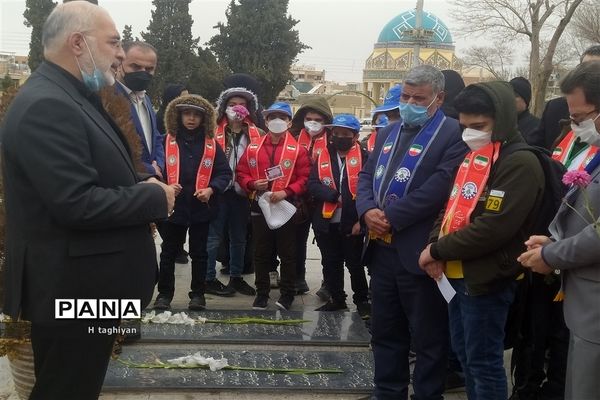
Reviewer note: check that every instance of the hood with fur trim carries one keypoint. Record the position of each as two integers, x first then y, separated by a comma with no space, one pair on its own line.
237,92
209,122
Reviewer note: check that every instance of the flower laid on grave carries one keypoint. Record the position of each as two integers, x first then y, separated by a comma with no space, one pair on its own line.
181,318
198,361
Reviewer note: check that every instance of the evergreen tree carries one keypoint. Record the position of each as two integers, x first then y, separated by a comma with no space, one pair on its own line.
170,32
207,76
7,82
259,39
127,35
35,14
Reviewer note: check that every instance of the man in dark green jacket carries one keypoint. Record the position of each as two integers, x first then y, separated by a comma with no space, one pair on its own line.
492,205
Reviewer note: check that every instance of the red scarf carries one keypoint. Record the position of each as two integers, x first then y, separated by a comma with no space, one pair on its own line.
253,132
320,143
371,141
204,169
287,160
353,167
469,183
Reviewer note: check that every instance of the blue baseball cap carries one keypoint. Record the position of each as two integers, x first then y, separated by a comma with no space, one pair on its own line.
391,101
280,107
382,121
346,121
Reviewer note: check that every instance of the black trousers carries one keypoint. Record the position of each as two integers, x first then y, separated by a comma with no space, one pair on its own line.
405,305
336,250
541,356
282,241
70,362
173,238
302,231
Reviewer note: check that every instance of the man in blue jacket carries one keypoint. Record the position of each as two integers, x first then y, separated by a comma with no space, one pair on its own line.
133,77
401,190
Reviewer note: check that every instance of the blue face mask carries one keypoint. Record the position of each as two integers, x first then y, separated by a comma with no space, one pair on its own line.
413,114
96,80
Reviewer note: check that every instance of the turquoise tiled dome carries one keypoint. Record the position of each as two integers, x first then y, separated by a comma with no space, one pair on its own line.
393,30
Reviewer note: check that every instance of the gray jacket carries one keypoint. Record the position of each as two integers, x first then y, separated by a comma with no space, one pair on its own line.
576,252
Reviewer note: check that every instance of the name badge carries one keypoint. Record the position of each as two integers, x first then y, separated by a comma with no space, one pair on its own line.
274,173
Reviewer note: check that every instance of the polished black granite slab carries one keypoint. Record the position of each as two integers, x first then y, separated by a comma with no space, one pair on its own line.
325,328
357,366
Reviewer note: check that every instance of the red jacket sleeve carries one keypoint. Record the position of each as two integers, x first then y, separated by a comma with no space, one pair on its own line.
301,173
242,173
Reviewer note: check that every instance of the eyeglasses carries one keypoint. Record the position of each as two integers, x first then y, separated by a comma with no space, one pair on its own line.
582,118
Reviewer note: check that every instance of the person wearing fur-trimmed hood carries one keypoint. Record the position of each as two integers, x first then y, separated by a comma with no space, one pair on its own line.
236,129
197,167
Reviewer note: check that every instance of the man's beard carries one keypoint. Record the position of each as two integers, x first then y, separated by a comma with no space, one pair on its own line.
99,63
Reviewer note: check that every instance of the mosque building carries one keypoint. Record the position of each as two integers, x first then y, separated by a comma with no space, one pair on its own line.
393,54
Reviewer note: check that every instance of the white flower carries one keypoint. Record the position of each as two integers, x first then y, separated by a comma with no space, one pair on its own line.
148,317
197,360
167,317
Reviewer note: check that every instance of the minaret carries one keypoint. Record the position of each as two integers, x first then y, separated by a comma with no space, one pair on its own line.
418,33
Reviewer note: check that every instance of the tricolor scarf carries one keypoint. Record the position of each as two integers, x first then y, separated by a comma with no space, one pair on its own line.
403,176
469,183
353,167
286,162
204,169
562,153
320,143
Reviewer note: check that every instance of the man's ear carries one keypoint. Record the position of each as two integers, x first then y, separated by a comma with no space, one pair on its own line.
76,44
441,96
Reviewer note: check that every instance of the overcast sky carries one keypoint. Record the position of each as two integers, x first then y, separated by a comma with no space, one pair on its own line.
340,32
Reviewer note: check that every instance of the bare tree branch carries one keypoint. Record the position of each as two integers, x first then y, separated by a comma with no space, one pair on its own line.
586,23
511,19
495,59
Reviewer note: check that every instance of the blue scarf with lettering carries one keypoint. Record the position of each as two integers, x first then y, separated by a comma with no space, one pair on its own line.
403,176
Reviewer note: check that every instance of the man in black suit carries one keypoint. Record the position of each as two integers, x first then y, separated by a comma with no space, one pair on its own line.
550,129
77,214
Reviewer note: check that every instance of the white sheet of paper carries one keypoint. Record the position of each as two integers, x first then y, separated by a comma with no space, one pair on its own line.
276,214
446,288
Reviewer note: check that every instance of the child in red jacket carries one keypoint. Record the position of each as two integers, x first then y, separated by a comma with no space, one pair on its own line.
275,163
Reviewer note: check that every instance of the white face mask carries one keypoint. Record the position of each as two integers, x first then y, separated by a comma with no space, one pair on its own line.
476,139
586,131
313,127
277,126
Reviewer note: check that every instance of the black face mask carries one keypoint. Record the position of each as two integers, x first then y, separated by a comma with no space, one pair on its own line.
137,81
342,143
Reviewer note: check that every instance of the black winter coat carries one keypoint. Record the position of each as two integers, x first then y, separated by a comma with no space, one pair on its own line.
322,193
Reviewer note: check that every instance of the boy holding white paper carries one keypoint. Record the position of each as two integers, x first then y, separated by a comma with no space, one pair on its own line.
275,166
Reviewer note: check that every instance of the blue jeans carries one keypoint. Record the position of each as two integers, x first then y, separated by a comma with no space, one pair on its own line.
477,335
233,216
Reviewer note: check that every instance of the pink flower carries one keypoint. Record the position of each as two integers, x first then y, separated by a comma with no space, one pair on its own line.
577,178
241,111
